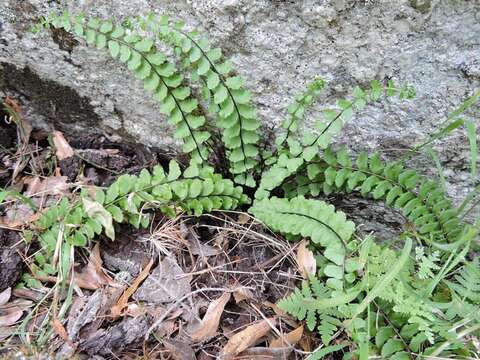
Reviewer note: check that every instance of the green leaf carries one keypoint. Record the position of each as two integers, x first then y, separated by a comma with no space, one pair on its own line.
334,271
234,82
384,334
106,27
79,239
212,80
221,94
472,138
335,253
97,212
118,32
144,45
195,54
214,54
135,61
203,66
152,82
224,68
125,53
195,188
90,36
156,58
391,347
116,212
376,90
114,48
174,171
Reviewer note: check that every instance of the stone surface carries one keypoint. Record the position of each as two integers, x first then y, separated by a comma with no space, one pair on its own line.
278,46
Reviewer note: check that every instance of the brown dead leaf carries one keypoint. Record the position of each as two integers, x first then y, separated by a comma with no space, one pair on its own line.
18,215
243,218
242,294
60,331
307,265
306,343
63,148
28,294
5,296
246,338
123,300
112,151
209,324
10,318
180,350
53,185
291,338
92,276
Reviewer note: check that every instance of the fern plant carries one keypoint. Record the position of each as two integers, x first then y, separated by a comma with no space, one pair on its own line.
381,300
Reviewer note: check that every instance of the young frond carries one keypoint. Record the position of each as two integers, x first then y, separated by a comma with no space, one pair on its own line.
221,88
160,77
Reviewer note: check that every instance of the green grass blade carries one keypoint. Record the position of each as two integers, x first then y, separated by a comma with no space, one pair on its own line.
472,139
385,280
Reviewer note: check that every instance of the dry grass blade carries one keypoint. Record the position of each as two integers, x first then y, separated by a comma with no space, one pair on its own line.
291,338
209,324
62,147
307,264
123,300
246,338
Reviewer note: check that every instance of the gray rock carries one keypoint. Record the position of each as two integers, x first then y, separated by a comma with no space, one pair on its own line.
278,47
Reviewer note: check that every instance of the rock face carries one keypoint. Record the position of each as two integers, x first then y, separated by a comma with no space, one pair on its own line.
278,46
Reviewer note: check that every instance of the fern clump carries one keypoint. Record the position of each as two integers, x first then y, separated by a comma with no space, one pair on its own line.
415,295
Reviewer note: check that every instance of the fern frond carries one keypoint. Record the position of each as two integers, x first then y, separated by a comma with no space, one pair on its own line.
310,218
318,304
467,284
427,263
421,200
222,88
296,111
128,198
151,66
329,230
328,325
334,119
197,193
329,126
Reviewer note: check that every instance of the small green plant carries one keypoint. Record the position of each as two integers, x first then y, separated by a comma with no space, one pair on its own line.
382,301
